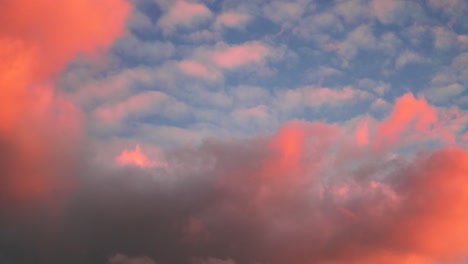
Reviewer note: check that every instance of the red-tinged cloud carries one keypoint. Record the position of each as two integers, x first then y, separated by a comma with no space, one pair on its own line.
306,194
362,133
135,157
38,26
409,115
38,127
238,55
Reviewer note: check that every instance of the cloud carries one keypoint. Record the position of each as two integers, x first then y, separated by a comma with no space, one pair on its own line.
28,51
231,57
240,178
451,7
459,66
184,14
283,11
150,52
136,158
353,11
408,114
208,62
88,92
408,57
377,87
380,106
231,19
317,97
198,70
443,94
444,39
34,115
123,259
361,37
396,11
305,193
140,105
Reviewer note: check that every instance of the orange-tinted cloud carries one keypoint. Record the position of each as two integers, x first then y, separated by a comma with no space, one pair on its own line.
57,31
135,157
292,146
362,133
409,115
37,39
309,206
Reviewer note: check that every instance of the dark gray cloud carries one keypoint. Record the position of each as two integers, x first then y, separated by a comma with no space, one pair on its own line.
246,201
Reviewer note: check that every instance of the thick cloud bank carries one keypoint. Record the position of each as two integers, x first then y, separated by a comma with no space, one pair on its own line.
303,195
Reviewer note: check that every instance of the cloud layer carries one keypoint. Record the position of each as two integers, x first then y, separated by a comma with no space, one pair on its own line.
233,132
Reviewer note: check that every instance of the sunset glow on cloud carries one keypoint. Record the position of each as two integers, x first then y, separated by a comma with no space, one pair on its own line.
233,132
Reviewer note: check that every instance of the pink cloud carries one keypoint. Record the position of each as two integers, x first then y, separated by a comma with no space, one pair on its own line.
307,198
362,133
38,38
184,13
139,105
232,57
412,120
231,19
197,69
135,157
409,114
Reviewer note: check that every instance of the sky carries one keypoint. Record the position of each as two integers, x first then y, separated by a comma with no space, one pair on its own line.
233,131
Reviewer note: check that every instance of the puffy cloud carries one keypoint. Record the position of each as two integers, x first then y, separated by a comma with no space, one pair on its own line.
285,11
361,37
353,11
140,105
444,38
231,19
408,114
199,70
184,13
152,52
231,57
136,157
443,94
451,7
396,11
408,57
317,97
